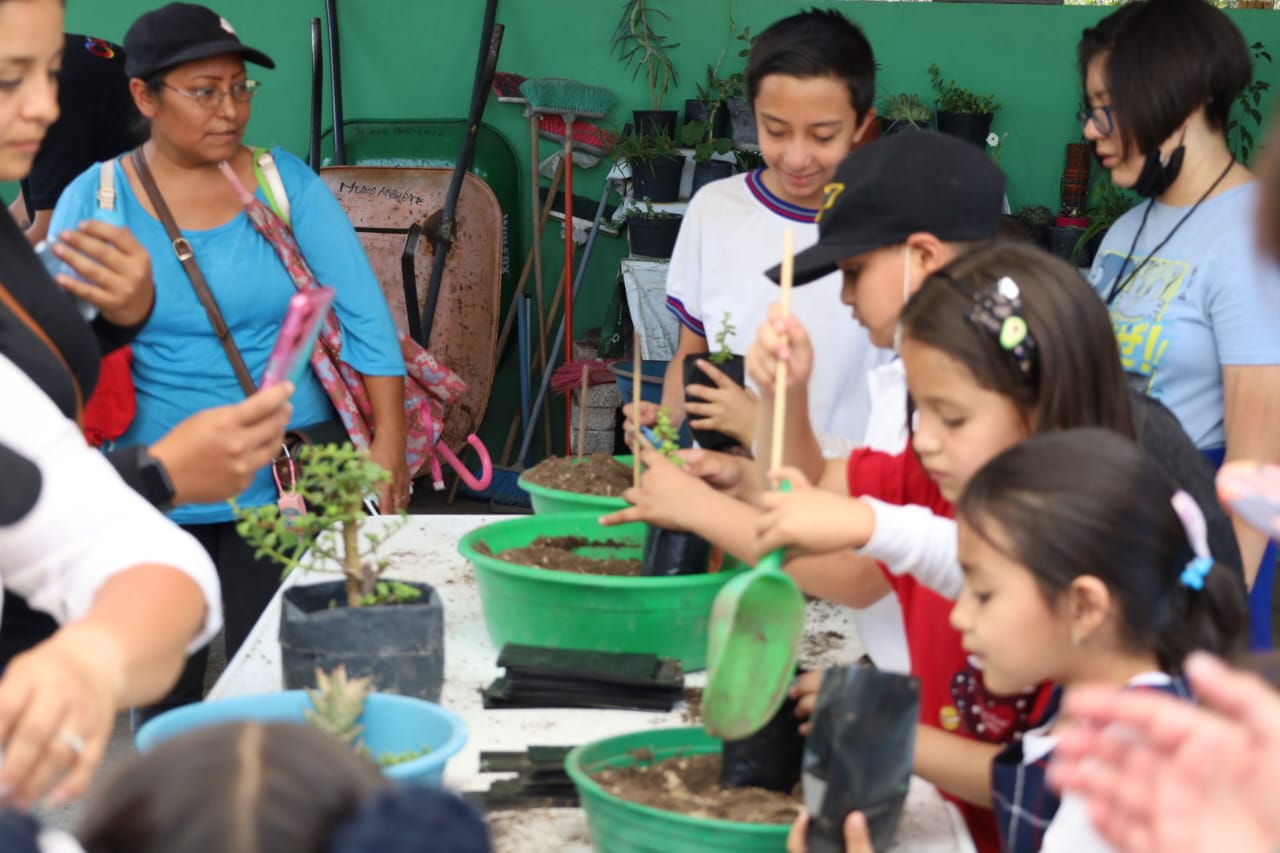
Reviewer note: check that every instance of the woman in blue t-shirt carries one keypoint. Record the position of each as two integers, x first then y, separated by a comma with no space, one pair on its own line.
187,75
1195,308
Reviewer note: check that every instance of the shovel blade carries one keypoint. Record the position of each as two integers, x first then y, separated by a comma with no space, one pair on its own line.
757,623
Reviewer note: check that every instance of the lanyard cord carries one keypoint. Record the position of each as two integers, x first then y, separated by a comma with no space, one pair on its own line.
1122,283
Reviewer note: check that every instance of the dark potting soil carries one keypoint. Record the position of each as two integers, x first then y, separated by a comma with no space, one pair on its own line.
598,474
818,644
556,552
692,712
691,786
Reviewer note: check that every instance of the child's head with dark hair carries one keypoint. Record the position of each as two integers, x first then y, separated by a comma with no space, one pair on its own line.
253,787
1152,64
1081,564
811,79
1006,342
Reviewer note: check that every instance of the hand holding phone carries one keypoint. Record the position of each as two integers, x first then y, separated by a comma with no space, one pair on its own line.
298,335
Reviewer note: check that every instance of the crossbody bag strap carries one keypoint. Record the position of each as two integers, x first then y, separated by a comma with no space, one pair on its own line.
186,256
21,313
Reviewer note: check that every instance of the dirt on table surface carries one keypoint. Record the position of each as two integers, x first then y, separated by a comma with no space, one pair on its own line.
819,643
557,553
692,711
691,786
598,474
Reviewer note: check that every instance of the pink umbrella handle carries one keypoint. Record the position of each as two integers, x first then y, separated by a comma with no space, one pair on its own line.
230,174
486,464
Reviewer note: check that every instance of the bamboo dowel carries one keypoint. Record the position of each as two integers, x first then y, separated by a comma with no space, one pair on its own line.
780,378
637,378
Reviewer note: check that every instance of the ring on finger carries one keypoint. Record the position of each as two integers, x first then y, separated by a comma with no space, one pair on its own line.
73,741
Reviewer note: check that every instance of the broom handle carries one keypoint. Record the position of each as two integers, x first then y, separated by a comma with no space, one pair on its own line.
582,412
541,225
537,237
780,378
568,263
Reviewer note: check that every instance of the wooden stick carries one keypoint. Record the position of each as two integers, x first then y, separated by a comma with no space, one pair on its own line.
780,378
582,412
637,377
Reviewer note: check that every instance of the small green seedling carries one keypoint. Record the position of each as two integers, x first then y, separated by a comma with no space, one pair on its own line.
334,481
727,330
668,437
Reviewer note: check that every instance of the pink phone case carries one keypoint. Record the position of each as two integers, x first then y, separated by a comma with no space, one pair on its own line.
298,335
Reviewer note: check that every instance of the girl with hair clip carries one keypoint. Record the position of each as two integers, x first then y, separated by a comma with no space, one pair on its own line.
1193,304
257,788
1083,563
1006,343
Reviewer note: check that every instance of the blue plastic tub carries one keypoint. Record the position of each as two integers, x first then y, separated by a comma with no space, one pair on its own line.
392,724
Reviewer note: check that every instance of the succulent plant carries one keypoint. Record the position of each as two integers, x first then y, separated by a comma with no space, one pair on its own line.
339,702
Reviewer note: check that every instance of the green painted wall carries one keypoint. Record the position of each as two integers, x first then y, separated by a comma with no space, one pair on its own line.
415,58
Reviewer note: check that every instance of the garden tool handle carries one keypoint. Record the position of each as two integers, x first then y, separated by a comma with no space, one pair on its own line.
480,483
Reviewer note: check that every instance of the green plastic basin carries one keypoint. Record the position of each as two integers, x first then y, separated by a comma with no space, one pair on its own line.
547,500
619,826
666,616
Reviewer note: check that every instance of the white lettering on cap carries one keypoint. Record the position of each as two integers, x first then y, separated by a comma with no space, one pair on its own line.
226,26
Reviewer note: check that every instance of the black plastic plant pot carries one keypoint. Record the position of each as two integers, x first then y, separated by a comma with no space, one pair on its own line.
1063,239
668,553
734,368
657,179
771,758
653,238
711,170
971,126
742,122
1038,234
401,646
655,122
902,124
695,110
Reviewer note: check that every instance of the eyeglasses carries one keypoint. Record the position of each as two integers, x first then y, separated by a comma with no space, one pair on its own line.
211,97
1101,117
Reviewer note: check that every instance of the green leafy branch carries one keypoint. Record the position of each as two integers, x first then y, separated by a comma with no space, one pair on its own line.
638,46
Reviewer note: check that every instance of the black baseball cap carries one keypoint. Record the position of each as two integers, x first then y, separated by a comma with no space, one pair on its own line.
178,33
899,185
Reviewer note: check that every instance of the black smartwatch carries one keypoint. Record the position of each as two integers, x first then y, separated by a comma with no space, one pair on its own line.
153,481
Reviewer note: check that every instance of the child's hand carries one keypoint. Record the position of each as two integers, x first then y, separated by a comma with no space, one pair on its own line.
811,520
805,691
663,497
727,407
646,415
779,339
857,838
731,475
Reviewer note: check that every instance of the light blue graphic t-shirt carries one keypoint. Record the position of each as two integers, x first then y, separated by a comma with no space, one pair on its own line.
1207,299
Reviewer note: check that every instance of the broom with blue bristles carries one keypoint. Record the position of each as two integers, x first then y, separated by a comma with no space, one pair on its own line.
570,100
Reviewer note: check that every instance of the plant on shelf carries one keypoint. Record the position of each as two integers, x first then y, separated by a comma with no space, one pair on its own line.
957,99
639,47
1035,215
1248,109
1107,203
645,210
698,135
723,353
334,481
644,146
906,108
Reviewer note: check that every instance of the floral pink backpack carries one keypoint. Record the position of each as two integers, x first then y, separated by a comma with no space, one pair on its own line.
429,386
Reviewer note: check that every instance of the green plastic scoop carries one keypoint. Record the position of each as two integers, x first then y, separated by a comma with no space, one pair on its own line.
757,623
757,620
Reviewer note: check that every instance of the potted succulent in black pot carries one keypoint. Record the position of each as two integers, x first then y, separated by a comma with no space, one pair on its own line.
656,165
960,112
1035,221
652,233
904,111
705,146
640,48
669,553
708,108
731,366
742,114
390,630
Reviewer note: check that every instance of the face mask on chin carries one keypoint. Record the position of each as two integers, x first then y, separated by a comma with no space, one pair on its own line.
1157,176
